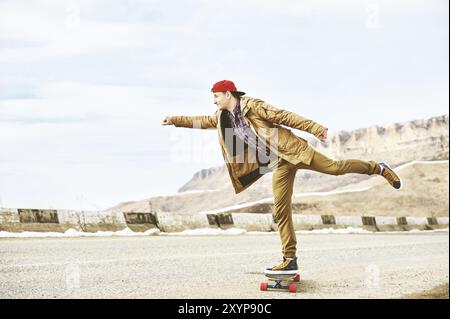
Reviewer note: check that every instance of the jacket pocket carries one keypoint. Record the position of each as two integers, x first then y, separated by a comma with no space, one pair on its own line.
284,136
296,144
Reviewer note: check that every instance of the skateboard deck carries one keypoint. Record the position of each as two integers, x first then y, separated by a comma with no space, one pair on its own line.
281,282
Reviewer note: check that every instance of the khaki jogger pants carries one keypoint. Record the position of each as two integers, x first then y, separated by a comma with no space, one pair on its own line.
282,187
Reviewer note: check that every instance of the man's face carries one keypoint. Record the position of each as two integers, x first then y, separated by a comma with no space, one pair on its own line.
221,100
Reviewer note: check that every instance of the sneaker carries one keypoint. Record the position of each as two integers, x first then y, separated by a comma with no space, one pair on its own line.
388,173
287,267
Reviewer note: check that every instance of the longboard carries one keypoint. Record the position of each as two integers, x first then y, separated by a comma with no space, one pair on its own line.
281,282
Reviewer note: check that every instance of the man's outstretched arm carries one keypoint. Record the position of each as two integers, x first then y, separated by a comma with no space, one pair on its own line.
201,121
283,117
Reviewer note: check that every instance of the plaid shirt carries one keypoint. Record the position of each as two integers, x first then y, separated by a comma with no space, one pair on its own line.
245,133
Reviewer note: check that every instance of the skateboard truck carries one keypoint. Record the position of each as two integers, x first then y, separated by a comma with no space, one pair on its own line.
281,282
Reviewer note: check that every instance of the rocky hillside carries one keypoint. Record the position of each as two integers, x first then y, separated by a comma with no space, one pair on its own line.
399,143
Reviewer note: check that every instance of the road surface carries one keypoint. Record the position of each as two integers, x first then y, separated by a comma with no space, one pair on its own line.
380,265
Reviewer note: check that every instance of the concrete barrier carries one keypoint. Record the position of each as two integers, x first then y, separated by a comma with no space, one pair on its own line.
141,221
307,222
420,223
253,222
91,221
39,220
9,220
349,221
387,223
434,224
442,221
24,219
369,223
169,222
72,219
328,220
50,220
225,220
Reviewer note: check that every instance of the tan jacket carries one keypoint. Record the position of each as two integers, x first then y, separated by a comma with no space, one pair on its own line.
266,121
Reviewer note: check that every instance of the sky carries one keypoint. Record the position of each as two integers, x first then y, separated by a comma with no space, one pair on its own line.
85,85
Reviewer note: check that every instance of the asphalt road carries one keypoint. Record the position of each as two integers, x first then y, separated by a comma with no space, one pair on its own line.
332,266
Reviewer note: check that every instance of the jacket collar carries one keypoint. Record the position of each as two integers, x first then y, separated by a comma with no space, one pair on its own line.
245,105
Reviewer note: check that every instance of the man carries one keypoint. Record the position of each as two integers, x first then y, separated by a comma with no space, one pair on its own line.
269,146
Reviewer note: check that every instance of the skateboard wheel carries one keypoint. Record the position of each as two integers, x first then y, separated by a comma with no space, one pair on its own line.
263,286
297,278
293,288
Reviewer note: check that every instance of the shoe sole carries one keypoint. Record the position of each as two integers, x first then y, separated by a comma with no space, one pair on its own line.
401,182
281,272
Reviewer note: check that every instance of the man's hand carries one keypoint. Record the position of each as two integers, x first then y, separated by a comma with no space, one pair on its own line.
322,137
167,121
